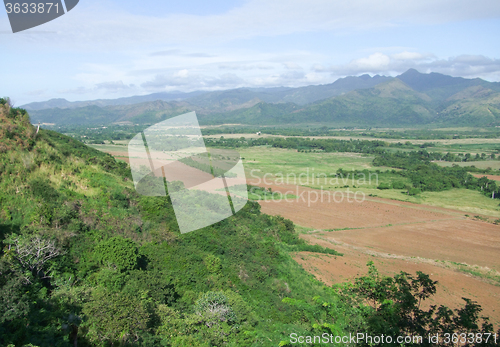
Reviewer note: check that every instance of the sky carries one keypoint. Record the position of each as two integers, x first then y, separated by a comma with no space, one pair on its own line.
110,49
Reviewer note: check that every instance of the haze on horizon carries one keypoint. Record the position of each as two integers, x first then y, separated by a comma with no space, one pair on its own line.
110,49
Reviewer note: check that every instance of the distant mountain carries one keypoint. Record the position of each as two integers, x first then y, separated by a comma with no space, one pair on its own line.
309,94
411,98
63,103
229,100
247,97
142,113
390,103
439,86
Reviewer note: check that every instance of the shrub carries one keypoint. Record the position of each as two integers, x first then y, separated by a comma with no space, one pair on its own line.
41,188
117,252
398,185
384,186
414,191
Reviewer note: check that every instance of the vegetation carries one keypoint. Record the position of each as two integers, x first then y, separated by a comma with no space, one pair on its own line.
417,165
410,99
86,261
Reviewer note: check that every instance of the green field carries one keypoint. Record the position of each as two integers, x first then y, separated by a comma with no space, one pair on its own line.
111,148
317,170
493,164
276,161
300,168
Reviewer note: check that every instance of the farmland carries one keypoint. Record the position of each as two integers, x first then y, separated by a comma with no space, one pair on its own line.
449,234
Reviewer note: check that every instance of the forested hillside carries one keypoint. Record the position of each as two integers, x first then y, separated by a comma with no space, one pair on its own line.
410,99
86,261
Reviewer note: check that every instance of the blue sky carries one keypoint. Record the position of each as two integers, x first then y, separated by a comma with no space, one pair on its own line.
111,49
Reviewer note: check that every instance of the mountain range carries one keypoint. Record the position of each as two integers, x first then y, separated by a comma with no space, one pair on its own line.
412,98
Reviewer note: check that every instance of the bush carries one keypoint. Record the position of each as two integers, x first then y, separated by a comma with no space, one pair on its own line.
398,185
117,252
414,191
41,188
384,186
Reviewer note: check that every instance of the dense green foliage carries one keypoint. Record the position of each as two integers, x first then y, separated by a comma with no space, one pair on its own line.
392,307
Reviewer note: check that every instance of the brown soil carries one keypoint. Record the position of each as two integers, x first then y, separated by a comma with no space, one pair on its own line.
330,212
451,287
491,177
397,236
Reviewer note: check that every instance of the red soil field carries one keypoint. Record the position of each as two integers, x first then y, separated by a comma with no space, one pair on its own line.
397,236
451,287
491,177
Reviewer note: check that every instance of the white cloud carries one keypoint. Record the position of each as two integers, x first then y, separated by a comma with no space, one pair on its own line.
115,86
97,24
189,81
374,62
410,56
379,63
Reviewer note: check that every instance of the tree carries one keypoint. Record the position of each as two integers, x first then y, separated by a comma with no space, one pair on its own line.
213,308
396,309
118,253
32,252
114,317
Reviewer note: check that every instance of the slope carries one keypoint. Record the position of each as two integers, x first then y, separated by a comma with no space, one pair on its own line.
63,103
389,103
85,260
439,86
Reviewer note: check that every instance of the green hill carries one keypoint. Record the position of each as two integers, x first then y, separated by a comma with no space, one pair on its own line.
434,99
143,113
86,260
411,98
439,86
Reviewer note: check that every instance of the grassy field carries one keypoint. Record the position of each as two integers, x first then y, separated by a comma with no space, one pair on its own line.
440,143
110,148
310,169
300,168
493,164
277,161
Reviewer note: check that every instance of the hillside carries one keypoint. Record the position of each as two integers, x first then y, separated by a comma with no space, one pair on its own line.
410,98
439,86
390,102
86,261
63,103
439,100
